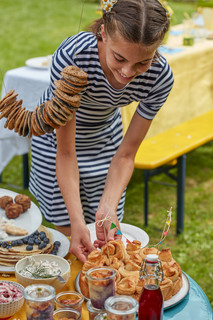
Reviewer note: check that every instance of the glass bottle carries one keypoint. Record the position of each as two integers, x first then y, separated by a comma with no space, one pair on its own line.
151,298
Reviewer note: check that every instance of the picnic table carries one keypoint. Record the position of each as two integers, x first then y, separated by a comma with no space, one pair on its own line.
195,305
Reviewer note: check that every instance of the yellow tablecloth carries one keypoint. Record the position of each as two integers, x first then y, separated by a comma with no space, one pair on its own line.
192,93
70,286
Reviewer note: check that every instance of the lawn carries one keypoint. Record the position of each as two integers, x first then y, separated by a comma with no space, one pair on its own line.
31,28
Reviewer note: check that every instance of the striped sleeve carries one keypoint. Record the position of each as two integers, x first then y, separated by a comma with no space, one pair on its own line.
159,92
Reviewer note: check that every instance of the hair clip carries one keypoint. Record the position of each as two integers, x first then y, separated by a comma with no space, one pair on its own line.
108,5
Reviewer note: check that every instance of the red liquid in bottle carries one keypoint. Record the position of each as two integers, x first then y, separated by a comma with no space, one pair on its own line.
151,303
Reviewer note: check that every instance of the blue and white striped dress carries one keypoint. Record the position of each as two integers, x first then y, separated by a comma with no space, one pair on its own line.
98,127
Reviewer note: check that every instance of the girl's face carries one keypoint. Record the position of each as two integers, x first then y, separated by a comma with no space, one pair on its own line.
125,60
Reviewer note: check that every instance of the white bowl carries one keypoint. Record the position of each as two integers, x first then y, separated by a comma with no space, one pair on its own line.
54,281
10,308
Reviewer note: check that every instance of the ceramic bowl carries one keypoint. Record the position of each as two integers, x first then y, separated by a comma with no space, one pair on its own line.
53,281
8,309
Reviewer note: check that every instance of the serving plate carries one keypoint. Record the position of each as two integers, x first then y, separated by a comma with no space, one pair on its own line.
129,233
39,62
62,251
29,220
177,298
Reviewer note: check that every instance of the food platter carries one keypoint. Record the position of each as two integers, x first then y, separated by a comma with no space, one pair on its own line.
129,232
62,251
177,298
39,62
29,220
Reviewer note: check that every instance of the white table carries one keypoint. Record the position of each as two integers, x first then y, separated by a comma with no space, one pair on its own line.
29,83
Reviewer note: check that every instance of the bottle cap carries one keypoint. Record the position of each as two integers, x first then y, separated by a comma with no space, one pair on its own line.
152,258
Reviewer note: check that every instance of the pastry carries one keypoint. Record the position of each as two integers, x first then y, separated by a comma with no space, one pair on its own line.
13,210
4,201
24,201
127,264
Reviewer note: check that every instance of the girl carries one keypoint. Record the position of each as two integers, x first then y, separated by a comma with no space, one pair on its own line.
79,173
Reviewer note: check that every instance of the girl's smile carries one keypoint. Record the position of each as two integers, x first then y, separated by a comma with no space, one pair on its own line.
122,60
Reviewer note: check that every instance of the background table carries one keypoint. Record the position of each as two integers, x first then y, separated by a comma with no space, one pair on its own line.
195,305
192,93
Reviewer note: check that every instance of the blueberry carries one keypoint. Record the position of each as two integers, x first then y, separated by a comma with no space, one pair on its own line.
54,253
57,243
5,244
46,240
9,246
30,241
25,240
41,246
29,248
42,236
20,242
14,243
37,241
0,243
36,233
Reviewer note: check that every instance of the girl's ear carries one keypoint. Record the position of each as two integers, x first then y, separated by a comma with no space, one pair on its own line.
103,34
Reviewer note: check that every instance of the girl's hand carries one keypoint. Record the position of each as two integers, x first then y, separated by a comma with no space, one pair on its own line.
103,221
80,244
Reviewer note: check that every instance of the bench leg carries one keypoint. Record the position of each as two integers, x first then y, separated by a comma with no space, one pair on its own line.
146,196
180,192
25,162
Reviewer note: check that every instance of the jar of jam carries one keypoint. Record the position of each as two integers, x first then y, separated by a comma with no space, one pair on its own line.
39,300
121,308
101,282
69,300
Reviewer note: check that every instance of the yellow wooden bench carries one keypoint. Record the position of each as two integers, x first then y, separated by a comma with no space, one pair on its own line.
168,149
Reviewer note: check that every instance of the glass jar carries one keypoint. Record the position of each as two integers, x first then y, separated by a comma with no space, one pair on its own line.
101,283
39,301
70,300
121,308
93,312
66,314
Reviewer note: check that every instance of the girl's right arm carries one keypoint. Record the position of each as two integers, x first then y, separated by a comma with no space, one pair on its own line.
68,179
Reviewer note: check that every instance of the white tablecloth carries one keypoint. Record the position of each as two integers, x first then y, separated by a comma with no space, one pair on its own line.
29,83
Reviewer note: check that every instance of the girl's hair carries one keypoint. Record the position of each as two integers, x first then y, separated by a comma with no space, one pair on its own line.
138,21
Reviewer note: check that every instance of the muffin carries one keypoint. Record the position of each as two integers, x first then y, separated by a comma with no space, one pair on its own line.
13,210
4,201
24,201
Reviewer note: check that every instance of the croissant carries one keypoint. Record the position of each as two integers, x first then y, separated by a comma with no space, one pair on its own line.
165,255
172,274
134,275
166,288
126,286
177,285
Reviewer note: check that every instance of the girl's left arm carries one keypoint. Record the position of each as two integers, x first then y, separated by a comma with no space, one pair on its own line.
119,174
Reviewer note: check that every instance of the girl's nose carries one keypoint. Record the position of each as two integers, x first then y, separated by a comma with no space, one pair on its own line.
128,71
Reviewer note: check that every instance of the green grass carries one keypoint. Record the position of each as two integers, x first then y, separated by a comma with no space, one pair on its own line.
31,28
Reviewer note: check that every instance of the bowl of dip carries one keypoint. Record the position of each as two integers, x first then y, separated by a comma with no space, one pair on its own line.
43,269
11,298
